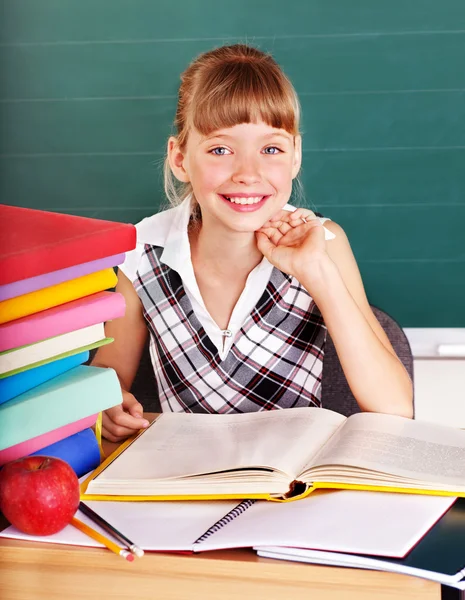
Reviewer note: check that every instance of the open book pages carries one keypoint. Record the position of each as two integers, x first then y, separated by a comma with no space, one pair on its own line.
346,521
386,450
184,454
281,454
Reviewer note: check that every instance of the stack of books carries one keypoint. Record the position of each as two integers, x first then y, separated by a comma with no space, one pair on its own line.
54,270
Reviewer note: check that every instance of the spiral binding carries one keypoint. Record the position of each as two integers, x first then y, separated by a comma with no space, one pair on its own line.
230,516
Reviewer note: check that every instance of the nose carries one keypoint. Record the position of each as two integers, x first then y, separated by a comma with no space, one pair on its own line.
246,171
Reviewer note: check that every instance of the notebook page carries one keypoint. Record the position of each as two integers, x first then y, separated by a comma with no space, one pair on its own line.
169,526
344,521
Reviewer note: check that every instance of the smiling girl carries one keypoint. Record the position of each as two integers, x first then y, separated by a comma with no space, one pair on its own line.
235,289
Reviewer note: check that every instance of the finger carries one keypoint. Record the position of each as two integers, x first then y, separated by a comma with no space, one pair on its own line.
270,223
295,237
280,215
284,228
264,244
110,436
282,225
300,233
132,406
114,433
122,418
272,233
303,214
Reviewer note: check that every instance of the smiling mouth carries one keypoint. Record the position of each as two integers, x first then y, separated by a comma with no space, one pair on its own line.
244,200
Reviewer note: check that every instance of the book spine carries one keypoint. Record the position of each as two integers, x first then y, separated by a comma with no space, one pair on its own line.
53,346
22,306
82,242
36,444
81,451
39,282
71,316
46,361
13,386
230,516
74,395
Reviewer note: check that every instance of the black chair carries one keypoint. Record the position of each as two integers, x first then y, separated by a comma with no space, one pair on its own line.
335,395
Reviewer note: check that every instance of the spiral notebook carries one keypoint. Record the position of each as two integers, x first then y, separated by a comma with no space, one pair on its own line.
345,521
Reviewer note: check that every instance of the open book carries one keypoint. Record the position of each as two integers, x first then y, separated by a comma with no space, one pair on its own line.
280,455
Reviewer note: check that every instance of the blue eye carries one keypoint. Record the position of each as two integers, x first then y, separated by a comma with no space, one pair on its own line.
272,150
220,151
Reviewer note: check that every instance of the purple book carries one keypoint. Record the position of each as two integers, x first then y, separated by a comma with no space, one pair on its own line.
24,286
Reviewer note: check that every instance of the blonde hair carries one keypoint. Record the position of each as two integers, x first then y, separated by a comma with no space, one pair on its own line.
229,86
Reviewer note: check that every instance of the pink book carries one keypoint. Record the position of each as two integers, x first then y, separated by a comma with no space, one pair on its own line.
96,308
39,282
41,441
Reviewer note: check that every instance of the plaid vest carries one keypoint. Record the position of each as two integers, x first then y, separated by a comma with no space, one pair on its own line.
276,360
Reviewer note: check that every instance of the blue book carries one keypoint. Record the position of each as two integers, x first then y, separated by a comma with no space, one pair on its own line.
13,386
80,450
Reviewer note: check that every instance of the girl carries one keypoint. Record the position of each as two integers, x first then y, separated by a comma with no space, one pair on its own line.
235,289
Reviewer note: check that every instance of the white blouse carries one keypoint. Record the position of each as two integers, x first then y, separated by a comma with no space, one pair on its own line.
168,230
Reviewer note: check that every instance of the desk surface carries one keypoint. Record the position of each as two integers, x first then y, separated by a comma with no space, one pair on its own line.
30,570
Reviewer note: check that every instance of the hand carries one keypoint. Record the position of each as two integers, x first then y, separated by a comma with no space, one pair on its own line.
124,420
291,241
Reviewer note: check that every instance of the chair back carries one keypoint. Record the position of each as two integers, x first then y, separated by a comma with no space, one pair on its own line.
335,393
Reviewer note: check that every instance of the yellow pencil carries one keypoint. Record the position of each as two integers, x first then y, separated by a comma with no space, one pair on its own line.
98,537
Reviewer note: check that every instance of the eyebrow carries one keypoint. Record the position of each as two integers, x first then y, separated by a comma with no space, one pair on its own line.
267,135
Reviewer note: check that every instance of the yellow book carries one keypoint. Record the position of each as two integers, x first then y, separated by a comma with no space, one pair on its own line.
34,302
281,455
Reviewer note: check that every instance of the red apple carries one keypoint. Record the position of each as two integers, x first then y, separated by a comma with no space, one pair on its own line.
39,495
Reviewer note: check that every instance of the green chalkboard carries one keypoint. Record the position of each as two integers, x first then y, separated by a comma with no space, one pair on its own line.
88,95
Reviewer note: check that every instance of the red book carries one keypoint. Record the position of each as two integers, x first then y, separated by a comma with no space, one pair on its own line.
34,242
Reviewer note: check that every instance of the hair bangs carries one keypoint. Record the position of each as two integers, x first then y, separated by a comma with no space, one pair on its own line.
242,92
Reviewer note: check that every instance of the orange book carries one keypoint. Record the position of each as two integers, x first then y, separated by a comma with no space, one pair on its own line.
55,295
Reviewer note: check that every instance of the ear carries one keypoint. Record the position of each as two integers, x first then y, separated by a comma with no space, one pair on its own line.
297,156
176,160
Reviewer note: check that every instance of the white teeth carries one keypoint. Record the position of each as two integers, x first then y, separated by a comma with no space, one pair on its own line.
251,200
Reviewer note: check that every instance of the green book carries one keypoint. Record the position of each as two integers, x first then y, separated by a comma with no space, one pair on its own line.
76,394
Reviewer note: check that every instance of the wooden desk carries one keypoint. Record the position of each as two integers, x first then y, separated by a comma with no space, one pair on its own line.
30,571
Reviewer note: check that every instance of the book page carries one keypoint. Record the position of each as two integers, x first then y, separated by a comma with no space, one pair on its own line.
181,445
397,446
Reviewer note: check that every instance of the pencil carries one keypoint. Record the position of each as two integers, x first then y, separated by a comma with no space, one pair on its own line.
96,518
98,537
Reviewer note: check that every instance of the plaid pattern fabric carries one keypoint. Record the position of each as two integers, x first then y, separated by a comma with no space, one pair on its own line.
275,362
